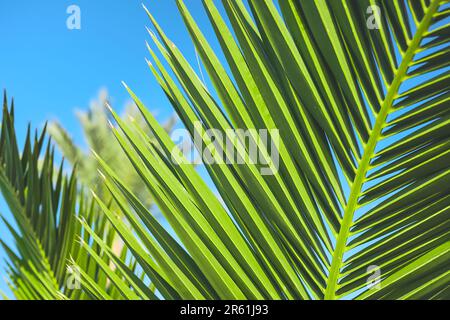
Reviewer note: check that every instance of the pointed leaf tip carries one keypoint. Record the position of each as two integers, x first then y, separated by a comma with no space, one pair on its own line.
94,152
147,45
145,8
108,106
110,124
101,174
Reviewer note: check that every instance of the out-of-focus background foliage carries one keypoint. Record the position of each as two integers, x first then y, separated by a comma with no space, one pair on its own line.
52,71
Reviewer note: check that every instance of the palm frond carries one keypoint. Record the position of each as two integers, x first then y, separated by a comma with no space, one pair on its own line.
44,259
357,206
364,161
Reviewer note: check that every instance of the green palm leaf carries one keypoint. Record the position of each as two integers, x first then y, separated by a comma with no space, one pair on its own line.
363,176
45,255
356,207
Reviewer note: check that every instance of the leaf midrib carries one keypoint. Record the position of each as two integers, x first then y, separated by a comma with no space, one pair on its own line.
364,164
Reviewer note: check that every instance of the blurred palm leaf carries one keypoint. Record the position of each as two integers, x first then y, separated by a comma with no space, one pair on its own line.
100,139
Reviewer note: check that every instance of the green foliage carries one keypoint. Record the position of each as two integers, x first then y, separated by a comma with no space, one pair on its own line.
364,176
49,256
98,135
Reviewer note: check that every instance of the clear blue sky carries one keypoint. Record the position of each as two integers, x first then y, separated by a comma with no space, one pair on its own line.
51,70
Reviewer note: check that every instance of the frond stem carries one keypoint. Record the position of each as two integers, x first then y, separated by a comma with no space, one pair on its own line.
364,164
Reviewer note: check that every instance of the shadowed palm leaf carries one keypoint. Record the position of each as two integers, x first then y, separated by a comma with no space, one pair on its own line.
48,257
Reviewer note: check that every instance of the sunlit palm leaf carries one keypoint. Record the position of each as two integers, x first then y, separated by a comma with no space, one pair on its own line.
362,192
364,152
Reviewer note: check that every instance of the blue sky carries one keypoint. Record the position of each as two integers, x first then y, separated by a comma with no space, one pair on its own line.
51,70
